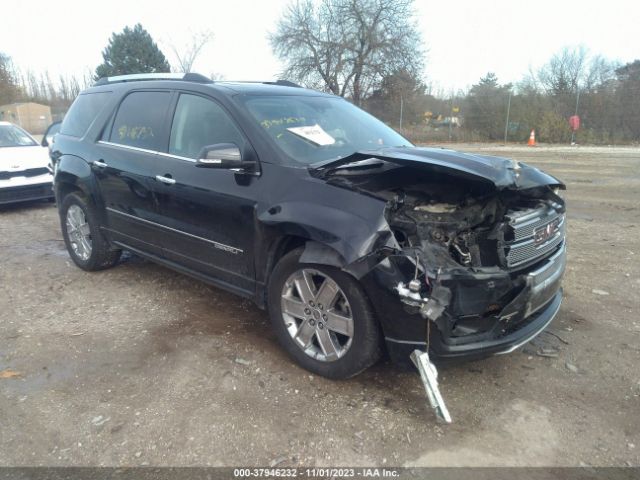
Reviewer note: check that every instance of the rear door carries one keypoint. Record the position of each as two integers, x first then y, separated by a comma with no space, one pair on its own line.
209,213
125,164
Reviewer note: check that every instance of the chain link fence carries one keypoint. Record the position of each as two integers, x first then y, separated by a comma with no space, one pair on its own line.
607,117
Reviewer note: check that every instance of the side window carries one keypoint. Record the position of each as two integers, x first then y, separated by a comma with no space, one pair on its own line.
83,112
140,120
199,122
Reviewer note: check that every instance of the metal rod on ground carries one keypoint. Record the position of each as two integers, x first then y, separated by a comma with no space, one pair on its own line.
429,377
506,123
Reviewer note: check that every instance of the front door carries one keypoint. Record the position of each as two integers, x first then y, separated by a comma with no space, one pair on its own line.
209,213
125,163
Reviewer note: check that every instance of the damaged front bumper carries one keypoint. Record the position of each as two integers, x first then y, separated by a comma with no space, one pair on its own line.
475,313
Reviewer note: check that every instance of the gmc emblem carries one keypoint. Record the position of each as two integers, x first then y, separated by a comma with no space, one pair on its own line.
546,232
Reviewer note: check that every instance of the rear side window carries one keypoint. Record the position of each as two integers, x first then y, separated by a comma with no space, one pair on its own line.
199,122
140,120
83,112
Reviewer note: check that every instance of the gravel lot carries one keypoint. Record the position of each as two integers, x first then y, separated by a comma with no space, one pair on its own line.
139,365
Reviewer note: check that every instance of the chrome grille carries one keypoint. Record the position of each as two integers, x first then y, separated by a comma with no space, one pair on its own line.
524,248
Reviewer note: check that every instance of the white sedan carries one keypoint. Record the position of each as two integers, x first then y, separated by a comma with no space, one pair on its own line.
24,174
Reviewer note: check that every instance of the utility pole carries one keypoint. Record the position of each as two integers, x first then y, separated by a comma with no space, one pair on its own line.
401,105
450,115
506,123
573,132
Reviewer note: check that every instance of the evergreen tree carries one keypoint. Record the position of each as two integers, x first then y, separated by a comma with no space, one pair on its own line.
486,107
132,51
629,99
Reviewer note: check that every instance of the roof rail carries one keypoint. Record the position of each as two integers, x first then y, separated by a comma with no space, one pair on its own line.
185,77
284,83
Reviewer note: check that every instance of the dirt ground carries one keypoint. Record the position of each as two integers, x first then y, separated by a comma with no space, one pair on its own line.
139,365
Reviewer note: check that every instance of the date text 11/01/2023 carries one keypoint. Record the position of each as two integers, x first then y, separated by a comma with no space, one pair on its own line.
316,472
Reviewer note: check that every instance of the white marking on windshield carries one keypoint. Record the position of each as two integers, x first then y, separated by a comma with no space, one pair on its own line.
314,134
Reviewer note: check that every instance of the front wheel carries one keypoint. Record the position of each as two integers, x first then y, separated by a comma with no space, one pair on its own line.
85,242
322,318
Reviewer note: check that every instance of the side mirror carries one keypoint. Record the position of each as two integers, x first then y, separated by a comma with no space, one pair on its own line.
52,130
224,155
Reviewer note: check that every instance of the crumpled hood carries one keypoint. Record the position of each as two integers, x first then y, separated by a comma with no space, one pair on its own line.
504,173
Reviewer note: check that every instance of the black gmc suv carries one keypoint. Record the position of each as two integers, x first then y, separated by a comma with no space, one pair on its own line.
355,241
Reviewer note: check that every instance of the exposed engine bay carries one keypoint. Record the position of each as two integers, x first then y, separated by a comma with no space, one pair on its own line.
471,244
464,229
466,219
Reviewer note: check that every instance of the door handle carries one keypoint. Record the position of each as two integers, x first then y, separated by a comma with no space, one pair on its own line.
167,180
99,164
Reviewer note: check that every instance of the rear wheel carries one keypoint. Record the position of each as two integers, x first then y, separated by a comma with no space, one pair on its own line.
85,242
322,318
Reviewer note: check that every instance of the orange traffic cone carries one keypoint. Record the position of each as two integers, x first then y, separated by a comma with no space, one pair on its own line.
532,139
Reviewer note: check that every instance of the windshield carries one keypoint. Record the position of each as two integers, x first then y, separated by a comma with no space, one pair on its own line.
318,129
12,136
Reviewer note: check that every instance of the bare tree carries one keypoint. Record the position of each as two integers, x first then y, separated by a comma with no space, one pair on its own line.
33,87
348,46
9,88
187,54
565,72
313,44
529,84
399,97
600,72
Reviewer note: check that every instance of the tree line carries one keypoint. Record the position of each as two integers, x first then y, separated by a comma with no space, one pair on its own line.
603,93
28,86
372,53
131,51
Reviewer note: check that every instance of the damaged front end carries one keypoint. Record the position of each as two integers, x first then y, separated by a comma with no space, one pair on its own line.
477,254
483,267
466,259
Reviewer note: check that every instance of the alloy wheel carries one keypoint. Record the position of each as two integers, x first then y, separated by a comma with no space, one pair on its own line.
79,232
317,314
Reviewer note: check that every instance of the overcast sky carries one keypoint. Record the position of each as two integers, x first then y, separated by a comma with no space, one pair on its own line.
465,39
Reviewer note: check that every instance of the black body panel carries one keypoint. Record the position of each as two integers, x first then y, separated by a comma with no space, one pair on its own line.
125,187
210,218
229,228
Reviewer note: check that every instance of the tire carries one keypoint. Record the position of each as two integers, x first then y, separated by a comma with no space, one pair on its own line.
100,255
353,347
